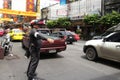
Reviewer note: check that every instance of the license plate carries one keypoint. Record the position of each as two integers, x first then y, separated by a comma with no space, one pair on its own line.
52,51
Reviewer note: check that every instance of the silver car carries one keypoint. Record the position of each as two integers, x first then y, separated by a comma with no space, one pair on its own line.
107,47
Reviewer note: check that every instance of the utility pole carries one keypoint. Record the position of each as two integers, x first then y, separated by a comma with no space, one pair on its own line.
38,9
102,7
68,8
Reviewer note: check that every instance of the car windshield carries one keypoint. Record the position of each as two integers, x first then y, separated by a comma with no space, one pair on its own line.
106,33
66,33
49,36
72,32
44,31
110,34
17,31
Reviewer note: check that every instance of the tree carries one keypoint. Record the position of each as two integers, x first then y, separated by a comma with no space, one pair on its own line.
92,20
51,23
64,22
59,23
110,19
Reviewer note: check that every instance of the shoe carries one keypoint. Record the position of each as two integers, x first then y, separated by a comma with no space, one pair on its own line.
36,78
35,74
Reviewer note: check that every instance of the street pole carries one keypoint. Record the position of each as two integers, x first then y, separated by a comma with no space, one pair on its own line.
68,8
38,9
102,7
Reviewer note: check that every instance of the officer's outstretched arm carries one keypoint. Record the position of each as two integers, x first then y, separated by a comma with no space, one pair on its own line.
40,36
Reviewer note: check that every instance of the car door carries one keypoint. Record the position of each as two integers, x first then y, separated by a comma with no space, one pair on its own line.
111,47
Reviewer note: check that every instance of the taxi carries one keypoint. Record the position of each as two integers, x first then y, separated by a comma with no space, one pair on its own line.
16,34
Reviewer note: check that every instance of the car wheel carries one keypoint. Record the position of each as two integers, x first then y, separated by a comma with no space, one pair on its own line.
71,42
91,53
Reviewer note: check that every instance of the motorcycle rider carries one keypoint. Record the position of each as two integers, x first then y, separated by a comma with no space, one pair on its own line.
6,43
35,45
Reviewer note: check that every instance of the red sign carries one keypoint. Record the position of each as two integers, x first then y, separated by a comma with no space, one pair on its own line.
30,5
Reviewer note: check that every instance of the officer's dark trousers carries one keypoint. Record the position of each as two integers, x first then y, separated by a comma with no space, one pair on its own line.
35,56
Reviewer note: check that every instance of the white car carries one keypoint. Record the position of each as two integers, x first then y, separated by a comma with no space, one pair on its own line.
107,47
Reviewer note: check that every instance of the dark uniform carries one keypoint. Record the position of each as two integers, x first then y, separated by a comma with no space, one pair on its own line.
35,44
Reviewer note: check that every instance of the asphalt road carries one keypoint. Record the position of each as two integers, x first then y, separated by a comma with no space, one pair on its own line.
67,65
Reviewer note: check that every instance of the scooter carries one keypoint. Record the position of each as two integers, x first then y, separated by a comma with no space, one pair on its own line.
6,46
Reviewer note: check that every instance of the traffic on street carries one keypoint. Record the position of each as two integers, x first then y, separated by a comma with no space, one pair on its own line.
59,39
70,64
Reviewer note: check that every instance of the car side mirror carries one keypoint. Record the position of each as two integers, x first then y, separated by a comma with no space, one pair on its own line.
104,39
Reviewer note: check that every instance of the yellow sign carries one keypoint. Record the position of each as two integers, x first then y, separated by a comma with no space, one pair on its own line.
8,11
6,19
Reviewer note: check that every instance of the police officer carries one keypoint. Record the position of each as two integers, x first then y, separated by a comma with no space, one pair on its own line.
35,44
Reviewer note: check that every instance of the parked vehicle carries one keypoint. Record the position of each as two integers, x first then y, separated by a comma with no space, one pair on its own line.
76,36
69,38
107,47
58,45
16,34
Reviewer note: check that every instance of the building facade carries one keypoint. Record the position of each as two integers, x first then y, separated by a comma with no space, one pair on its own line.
111,5
75,10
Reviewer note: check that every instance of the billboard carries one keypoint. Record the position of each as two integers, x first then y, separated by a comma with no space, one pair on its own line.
30,5
15,12
5,6
62,2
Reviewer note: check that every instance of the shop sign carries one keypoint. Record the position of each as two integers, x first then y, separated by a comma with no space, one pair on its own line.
8,11
6,19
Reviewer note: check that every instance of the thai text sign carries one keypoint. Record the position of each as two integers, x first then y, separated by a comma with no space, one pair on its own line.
8,11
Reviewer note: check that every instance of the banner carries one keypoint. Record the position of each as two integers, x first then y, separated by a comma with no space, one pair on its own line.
62,2
8,11
30,5
6,19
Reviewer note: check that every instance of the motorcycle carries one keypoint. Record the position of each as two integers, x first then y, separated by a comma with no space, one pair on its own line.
6,46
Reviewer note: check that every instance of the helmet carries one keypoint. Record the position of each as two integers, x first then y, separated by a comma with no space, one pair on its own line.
37,22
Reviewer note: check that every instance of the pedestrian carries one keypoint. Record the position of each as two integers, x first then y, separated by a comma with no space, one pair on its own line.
35,45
